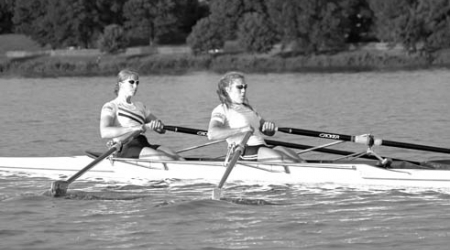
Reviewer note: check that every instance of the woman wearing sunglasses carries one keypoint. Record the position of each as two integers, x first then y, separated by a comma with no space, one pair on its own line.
234,117
122,116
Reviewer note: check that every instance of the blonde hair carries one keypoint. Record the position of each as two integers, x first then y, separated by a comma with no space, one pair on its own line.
123,75
226,81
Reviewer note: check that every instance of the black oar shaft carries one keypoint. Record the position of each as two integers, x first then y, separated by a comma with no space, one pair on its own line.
397,144
363,140
217,192
186,130
237,153
59,188
311,133
327,150
91,165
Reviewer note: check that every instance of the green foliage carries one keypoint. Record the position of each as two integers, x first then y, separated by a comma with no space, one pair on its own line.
205,36
231,12
6,14
360,18
113,39
304,26
27,18
313,25
413,23
58,23
79,23
436,20
150,19
256,33
187,13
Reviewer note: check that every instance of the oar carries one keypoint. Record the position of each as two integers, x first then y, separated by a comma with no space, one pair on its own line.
203,132
59,188
185,130
327,150
362,139
217,192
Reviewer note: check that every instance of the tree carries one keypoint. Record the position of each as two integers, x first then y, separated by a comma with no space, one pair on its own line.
58,23
230,13
70,23
312,25
109,12
150,19
205,36
27,18
413,23
113,39
187,13
6,14
435,15
360,18
397,22
256,33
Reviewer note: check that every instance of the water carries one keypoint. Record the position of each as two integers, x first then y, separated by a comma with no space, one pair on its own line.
59,116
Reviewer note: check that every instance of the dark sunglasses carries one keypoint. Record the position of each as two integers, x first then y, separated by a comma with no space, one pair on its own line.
133,82
243,86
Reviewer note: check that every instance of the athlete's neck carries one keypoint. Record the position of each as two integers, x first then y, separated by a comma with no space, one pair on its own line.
124,99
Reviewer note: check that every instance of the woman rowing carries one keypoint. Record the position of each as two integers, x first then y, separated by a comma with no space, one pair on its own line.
121,117
234,117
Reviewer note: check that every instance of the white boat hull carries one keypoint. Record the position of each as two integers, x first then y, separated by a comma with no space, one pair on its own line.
349,174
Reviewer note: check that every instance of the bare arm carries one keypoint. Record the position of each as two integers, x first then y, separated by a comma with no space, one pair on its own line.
109,131
217,130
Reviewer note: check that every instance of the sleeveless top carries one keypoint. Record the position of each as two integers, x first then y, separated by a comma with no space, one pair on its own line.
126,114
237,117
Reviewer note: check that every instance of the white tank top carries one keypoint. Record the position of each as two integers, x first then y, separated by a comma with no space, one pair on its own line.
237,117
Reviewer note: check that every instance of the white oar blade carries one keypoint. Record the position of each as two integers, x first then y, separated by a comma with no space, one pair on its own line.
216,194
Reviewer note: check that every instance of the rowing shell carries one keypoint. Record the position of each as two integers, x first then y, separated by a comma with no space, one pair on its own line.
137,171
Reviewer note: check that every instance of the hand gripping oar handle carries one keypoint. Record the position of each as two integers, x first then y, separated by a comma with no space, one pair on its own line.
368,140
59,188
217,192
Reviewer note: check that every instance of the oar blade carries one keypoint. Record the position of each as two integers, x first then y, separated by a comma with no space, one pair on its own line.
217,193
59,188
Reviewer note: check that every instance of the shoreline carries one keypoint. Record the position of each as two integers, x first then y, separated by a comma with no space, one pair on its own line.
182,63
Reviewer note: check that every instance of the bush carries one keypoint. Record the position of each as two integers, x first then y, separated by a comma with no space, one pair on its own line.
205,36
113,40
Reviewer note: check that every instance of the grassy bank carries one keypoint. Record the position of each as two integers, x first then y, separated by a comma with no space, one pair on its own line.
47,65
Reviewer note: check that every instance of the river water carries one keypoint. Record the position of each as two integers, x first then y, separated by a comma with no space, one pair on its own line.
60,116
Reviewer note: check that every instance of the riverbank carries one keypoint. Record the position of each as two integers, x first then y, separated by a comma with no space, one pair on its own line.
44,65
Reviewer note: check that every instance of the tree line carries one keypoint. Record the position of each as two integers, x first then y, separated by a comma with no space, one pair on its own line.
306,26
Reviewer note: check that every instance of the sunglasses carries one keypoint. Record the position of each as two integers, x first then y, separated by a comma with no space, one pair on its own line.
240,87
133,82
